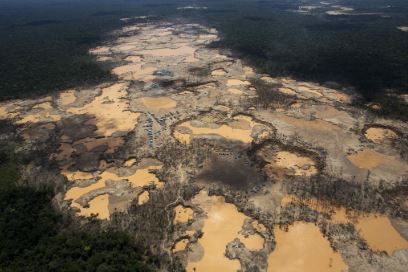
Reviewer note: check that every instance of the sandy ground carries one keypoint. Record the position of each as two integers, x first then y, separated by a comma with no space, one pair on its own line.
368,225
221,226
379,135
183,215
312,254
226,131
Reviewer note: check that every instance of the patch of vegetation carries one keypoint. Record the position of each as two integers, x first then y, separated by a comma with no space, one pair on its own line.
34,237
200,71
389,106
151,222
41,22
364,197
8,171
392,106
269,95
401,144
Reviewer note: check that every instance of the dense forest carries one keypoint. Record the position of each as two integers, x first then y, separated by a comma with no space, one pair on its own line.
35,237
